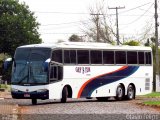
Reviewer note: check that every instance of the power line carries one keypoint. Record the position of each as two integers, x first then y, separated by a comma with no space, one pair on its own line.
64,23
117,22
145,10
52,12
66,26
57,28
135,8
76,22
57,12
60,24
134,15
126,26
135,34
139,16
97,24
63,33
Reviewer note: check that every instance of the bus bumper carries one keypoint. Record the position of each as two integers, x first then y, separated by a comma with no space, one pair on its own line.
30,95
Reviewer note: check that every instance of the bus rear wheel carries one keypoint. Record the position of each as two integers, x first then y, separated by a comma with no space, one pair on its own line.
120,92
34,101
130,92
64,95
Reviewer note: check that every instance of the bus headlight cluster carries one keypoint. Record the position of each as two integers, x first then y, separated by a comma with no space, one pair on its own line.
14,90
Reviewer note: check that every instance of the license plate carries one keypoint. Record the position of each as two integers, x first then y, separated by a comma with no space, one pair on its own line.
26,95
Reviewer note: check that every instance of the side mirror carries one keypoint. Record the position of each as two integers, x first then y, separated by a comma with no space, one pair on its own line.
46,64
7,63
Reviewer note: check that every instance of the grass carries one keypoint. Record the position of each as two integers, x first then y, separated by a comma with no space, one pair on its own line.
156,103
3,86
153,94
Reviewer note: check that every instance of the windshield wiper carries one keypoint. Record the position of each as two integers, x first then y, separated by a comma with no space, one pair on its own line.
23,79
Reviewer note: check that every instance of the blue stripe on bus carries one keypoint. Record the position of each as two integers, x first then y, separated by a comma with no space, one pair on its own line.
106,79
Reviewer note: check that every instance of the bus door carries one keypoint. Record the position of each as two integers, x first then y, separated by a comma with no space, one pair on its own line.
56,72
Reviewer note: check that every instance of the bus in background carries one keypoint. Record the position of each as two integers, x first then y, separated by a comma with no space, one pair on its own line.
81,70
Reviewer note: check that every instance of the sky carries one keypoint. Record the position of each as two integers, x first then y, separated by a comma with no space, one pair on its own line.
59,19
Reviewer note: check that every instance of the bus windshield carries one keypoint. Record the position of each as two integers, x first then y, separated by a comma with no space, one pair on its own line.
29,66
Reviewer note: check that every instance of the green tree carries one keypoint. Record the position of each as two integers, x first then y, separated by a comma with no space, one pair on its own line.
132,43
151,42
18,26
147,43
74,38
154,63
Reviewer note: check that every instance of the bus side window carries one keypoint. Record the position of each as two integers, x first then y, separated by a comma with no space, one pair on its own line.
141,57
120,57
131,57
69,57
57,56
96,57
108,57
148,58
83,56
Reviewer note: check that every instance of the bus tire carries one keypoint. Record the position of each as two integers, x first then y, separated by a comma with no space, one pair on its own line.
64,95
130,92
120,92
34,101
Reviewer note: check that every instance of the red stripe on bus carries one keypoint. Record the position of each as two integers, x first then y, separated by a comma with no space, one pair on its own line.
83,86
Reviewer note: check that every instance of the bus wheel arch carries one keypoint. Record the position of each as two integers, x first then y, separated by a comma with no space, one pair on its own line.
131,91
120,91
66,93
69,91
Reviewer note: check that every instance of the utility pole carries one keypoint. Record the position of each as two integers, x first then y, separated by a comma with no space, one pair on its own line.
97,24
156,42
117,21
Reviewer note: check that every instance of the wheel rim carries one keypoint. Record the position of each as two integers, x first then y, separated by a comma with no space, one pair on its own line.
120,92
130,92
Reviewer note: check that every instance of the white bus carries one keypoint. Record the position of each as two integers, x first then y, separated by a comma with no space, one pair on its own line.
81,70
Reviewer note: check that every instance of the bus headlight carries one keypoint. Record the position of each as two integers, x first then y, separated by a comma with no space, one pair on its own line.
42,90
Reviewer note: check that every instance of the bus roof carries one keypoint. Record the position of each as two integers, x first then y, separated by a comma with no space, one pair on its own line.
87,45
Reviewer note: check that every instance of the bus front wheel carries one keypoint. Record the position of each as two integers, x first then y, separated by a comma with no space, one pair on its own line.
34,101
64,95
120,92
